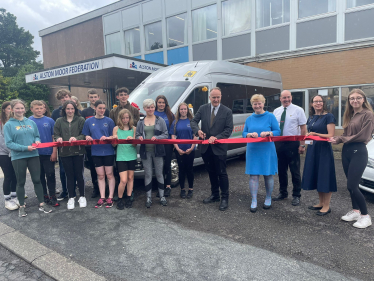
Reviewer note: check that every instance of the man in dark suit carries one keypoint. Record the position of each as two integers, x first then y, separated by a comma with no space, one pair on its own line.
216,123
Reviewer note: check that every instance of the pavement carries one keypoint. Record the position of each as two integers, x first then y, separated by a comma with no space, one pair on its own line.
188,240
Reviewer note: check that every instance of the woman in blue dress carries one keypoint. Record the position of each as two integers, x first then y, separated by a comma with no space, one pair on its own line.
261,158
319,167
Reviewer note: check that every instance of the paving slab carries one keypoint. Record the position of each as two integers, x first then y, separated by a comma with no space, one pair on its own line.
4,229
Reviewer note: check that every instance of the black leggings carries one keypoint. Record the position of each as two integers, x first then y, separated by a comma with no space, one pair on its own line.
47,170
167,163
10,180
354,159
73,166
185,163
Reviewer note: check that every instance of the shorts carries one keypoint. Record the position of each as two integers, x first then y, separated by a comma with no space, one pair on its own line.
100,161
123,166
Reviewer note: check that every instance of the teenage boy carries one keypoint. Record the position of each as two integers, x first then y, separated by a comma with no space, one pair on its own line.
47,156
122,94
62,95
89,112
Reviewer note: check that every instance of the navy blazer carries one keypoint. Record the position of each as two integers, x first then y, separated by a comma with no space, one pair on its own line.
221,128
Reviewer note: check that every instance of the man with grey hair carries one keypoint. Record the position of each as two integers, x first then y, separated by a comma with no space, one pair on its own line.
216,123
292,122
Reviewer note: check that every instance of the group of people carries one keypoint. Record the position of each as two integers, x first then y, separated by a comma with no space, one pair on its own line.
213,121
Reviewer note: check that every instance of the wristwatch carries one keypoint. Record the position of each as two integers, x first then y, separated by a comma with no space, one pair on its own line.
303,146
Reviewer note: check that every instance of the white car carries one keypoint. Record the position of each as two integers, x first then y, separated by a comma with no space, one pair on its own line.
367,180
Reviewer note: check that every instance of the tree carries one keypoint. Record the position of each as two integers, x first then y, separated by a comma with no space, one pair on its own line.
15,45
29,92
5,93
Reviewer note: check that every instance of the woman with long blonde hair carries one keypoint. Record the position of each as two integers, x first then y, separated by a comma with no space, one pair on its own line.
358,124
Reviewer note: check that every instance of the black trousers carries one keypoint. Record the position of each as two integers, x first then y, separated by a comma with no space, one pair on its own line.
10,180
92,168
216,167
74,171
289,157
354,160
185,164
47,170
167,163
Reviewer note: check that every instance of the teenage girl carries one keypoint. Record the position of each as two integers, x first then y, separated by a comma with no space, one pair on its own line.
185,153
20,133
163,111
10,181
126,157
69,128
358,124
100,127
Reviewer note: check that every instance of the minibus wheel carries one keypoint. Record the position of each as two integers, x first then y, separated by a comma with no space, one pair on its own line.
174,173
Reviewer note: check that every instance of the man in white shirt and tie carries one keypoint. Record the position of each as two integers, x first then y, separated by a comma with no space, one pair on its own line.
292,122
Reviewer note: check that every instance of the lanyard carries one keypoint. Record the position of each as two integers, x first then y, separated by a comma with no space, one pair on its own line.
310,129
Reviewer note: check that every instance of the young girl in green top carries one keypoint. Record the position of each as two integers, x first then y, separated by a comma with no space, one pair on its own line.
126,156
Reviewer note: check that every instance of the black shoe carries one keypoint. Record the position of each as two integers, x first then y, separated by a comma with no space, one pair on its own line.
295,201
280,197
253,210
128,202
189,194
132,196
120,204
47,200
323,213
183,194
224,205
53,201
314,208
95,193
211,199
266,207
62,196
167,191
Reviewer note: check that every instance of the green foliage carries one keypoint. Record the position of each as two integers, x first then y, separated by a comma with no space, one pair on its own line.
15,45
5,93
29,92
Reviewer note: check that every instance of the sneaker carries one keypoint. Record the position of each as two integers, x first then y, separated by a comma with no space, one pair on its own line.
22,212
148,203
47,199
82,202
57,191
167,192
120,204
132,196
45,208
351,216
128,202
109,203
183,194
189,194
163,201
53,201
26,196
100,203
15,200
363,222
11,205
71,204
62,196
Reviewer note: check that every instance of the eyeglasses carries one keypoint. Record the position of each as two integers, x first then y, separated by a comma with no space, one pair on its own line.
357,99
318,101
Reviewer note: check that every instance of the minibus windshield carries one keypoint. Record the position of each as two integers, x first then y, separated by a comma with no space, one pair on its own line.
171,90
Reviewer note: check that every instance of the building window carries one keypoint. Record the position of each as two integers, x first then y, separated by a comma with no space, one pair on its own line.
153,36
309,8
331,97
356,3
236,16
177,30
272,12
204,23
113,43
132,41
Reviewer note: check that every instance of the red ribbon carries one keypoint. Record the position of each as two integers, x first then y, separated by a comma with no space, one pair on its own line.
179,141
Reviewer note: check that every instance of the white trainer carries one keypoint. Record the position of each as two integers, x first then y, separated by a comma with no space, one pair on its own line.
351,216
10,205
15,200
363,222
71,204
82,202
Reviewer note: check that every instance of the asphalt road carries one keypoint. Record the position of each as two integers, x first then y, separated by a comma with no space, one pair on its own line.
188,240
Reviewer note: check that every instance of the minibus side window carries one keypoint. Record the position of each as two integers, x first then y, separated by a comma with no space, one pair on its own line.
198,97
271,95
234,96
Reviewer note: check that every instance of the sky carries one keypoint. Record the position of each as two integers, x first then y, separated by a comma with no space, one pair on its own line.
35,15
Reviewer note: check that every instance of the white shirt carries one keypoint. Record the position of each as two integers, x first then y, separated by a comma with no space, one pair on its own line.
295,117
216,110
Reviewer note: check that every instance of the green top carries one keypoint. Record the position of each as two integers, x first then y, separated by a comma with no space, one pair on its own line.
125,152
149,132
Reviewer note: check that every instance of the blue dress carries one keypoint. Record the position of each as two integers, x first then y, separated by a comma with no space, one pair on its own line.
261,157
319,167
